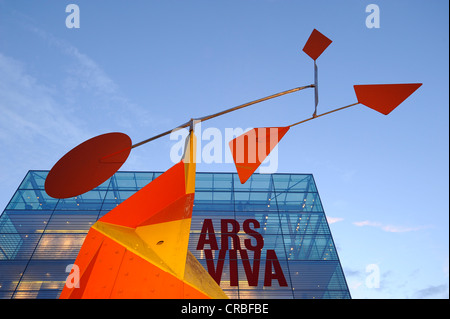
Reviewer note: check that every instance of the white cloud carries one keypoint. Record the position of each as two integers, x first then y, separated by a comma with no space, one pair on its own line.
332,220
30,112
85,75
41,120
354,285
35,127
433,292
367,223
389,228
401,229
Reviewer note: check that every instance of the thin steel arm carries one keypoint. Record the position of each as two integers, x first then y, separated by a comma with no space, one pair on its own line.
329,112
161,135
254,102
205,118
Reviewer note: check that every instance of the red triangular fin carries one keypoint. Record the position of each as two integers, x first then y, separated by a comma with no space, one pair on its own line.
250,149
384,97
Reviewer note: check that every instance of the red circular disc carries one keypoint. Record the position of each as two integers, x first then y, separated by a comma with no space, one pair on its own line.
88,165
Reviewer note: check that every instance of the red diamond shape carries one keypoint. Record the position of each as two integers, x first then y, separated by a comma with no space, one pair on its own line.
316,44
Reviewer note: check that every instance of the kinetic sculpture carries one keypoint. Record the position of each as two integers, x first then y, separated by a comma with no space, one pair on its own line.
140,248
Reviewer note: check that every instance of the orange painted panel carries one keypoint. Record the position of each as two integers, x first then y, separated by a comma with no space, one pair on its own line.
78,291
104,272
384,98
179,209
139,279
85,260
88,165
250,149
316,44
190,292
150,200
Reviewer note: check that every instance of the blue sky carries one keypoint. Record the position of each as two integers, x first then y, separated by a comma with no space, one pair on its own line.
143,67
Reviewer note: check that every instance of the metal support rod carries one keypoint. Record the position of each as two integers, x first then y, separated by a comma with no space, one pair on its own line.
205,118
329,112
316,89
161,135
254,102
191,131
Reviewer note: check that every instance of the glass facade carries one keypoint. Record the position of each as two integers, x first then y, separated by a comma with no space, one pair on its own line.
267,238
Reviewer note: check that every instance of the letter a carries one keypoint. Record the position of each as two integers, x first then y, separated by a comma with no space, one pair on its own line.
73,19
373,19
373,279
73,280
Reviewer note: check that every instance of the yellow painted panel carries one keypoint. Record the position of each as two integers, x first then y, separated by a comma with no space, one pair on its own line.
128,238
197,276
169,241
189,160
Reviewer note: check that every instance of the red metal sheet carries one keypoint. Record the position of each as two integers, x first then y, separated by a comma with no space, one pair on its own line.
155,197
384,97
250,149
104,272
316,44
88,165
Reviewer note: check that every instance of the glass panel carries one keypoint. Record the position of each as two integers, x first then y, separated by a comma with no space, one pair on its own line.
293,183
32,200
43,279
304,223
9,246
124,180
298,202
257,182
34,180
10,274
213,201
310,247
102,187
204,181
254,201
312,279
223,182
71,222
21,248
81,203
26,222
59,246
269,222
143,178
